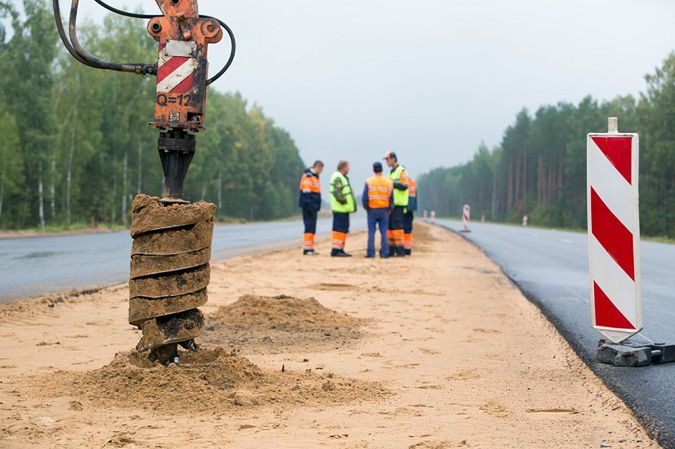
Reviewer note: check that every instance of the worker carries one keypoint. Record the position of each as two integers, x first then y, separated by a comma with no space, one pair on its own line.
310,202
399,177
378,200
409,216
342,203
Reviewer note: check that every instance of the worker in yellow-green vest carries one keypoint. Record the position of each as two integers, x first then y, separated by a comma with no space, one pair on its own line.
342,203
399,177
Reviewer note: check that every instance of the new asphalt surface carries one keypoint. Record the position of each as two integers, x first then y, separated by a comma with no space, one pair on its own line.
551,268
43,265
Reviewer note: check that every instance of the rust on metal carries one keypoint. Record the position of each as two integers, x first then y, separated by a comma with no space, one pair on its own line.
182,69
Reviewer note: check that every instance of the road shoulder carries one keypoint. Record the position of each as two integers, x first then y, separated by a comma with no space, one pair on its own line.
466,360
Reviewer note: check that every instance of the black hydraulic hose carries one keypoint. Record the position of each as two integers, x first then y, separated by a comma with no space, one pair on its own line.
141,69
228,30
233,50
126,13
64,38
78,52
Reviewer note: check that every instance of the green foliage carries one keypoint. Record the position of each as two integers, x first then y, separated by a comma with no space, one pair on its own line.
76,143
540,167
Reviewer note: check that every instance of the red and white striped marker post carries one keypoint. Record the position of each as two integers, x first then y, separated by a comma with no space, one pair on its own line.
466,217
433,216
614,233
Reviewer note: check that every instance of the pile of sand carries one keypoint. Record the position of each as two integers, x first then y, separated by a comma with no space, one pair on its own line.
280,324
205,381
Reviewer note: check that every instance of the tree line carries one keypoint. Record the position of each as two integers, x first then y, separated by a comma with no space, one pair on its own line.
539,169
75,145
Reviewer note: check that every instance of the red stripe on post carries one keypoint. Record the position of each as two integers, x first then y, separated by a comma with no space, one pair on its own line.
612,234
170,66
606,313
618,151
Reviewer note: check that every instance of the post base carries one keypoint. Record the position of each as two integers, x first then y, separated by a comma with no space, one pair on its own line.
634,354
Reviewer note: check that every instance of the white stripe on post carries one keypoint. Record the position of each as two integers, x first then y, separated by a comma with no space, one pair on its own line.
614,233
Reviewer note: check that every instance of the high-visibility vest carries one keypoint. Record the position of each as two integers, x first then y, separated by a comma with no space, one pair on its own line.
310,184
398,175
379,192
412,194
350,205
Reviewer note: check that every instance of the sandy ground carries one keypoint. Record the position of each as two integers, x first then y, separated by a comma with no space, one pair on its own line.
434,351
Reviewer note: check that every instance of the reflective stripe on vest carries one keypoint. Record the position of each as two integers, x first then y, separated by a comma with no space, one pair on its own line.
310,184
399,176
412,187
379,192
350,205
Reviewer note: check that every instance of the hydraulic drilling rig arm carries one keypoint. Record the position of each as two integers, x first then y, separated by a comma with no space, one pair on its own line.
171,238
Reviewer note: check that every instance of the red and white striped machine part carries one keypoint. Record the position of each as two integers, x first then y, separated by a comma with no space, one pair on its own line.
466,216
614,233
176,69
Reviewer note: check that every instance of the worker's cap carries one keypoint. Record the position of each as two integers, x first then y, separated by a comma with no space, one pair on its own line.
390,155
377,167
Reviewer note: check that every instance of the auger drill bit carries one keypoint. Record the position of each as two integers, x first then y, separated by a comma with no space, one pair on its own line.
169,273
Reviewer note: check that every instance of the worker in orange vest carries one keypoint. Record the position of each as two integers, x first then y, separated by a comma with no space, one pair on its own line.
378,200
409,216
310,202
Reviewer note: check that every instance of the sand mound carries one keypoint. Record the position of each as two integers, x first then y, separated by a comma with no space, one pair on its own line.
280,323
206,380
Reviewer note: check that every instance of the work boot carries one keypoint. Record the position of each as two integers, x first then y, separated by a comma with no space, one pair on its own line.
384,256
339,253
309,252
408,252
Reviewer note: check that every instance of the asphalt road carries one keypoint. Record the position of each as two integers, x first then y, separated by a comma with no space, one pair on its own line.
44,265
551,268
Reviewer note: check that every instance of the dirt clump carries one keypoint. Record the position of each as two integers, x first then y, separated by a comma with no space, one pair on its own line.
264,324
206,380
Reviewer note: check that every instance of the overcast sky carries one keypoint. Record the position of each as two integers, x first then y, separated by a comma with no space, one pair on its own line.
429,79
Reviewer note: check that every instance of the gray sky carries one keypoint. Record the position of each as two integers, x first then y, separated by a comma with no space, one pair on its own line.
429,79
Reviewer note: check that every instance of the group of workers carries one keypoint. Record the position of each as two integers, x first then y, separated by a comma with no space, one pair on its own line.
390,202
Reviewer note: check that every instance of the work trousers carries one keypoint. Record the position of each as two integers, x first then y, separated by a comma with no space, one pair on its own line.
395,232
408,219
340,230
378,218
309,216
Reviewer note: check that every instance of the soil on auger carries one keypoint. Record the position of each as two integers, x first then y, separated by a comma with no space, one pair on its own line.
169,270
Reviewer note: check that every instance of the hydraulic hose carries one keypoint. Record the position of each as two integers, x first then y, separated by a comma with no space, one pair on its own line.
228,30
64,38
141,69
